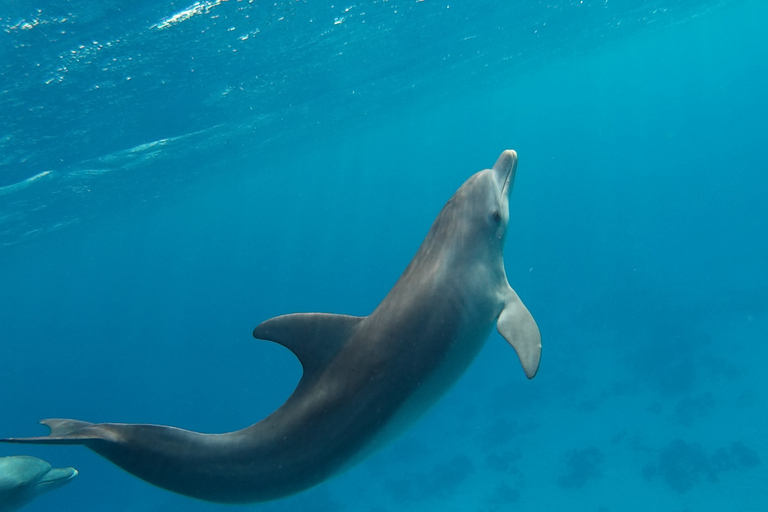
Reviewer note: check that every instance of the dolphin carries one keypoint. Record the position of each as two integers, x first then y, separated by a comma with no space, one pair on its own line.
24,478
365,379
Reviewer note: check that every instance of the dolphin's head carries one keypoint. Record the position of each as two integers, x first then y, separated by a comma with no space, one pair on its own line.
478,213
23,478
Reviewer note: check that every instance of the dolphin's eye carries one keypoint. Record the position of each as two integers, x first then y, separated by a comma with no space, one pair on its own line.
497,216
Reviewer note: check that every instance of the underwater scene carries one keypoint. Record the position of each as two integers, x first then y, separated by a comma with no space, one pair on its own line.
173,174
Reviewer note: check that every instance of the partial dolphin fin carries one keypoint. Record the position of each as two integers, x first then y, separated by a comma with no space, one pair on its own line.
313,337
518,327
62,432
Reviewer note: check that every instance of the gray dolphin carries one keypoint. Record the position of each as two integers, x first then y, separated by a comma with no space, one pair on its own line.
365,378
24,478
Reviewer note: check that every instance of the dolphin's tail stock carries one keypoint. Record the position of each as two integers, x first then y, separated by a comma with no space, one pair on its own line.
63,432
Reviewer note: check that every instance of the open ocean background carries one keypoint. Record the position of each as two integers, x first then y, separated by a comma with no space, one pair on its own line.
172,174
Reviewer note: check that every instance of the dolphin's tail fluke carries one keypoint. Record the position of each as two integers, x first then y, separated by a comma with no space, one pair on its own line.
62,432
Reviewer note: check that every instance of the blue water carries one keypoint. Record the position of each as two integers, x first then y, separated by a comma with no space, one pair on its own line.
172,174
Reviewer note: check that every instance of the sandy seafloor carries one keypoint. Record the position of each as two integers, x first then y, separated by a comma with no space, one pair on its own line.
171,175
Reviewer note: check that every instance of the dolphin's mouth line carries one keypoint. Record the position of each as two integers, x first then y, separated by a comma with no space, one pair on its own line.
505,187
508,178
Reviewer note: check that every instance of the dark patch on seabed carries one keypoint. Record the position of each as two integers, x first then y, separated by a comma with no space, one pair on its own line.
581,466
682,465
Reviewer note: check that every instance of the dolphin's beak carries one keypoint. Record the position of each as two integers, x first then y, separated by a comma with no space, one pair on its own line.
504,171
57,477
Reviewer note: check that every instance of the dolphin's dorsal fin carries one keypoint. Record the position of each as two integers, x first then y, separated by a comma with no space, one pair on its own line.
313,337
518,327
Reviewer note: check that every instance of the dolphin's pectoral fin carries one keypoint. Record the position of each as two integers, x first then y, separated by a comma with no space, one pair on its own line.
62,432
313,337
519,328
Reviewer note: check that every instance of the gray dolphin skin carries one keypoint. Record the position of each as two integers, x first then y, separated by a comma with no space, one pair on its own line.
365,379
24,478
